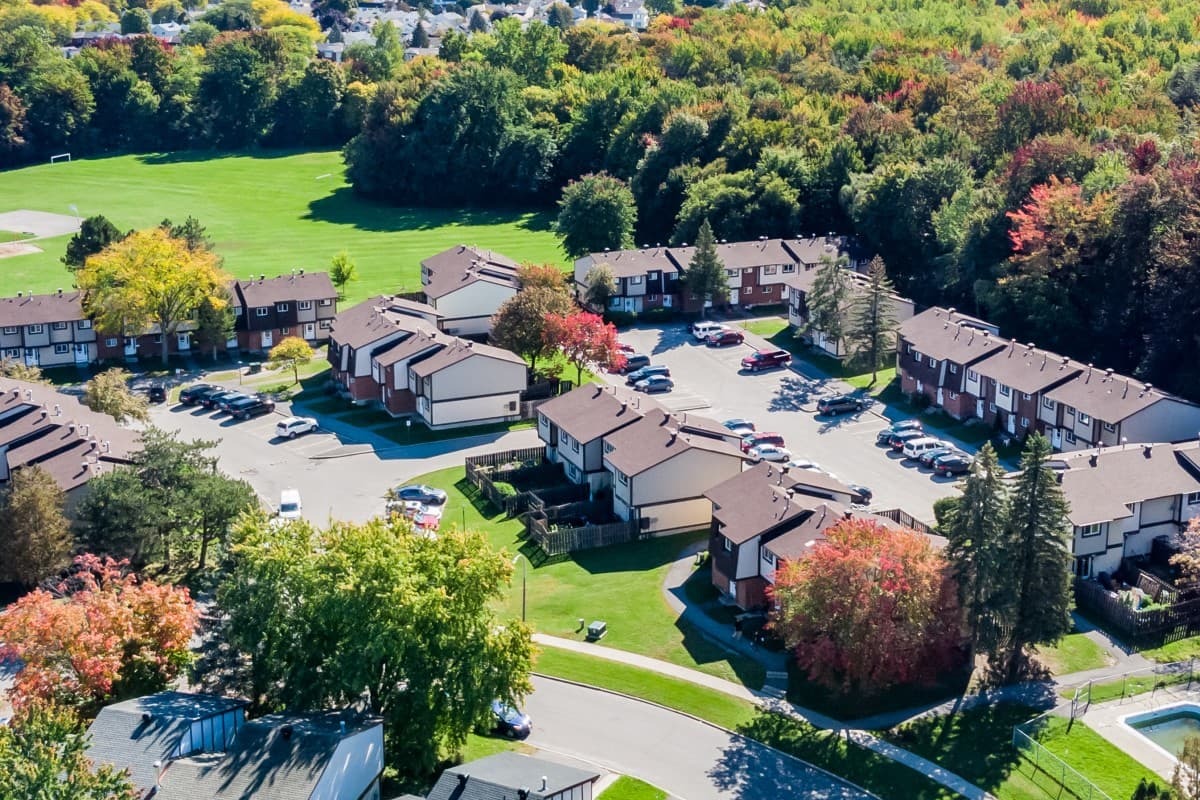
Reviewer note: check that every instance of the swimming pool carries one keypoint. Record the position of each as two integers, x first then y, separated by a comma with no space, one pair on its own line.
1168,727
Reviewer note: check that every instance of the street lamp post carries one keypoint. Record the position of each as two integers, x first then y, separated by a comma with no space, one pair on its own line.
524,580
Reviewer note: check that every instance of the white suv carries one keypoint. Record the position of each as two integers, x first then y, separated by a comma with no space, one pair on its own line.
702,330
292,427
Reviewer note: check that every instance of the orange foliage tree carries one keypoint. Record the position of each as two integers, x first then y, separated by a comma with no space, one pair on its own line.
103,632
868,608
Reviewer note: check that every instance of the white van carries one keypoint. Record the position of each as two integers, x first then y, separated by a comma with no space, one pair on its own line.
914,448
290,506
702,330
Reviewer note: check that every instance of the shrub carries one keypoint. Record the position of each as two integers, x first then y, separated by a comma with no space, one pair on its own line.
505,489
620,318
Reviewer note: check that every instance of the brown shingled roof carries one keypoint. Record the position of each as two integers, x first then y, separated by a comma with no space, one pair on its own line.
455,267
950,336
1106,395
41,309
655,438
461,350
1027,369
371,320
628,263
1100,487
286,289
590,411
764,496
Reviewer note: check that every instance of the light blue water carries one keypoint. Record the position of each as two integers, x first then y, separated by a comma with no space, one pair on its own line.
1170,730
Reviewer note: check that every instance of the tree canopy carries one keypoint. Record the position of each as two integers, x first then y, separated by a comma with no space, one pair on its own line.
37,539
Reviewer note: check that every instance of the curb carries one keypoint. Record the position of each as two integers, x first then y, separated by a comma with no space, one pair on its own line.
715,726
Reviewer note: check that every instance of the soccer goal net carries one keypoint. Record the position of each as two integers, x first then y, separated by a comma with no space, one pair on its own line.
60,157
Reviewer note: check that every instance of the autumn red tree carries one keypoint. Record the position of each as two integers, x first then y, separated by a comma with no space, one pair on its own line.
584,338
1058,229
868,608
103,632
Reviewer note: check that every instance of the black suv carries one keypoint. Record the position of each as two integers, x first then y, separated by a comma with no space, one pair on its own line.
251,407
156,393
841,404
197,392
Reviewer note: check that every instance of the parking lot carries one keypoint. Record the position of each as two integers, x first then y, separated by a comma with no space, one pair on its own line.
709,381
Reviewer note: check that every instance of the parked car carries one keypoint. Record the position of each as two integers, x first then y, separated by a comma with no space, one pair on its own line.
634,363
195,394
252,407
212,400
228,401
511,721
862,495
420,493
290,506
805,464
761,437
896,427
897,440
292,427
655,384
953,464
927,458
722,338
841,404
703,329
645,372
156,393
914,448
766,359
738,424
770,452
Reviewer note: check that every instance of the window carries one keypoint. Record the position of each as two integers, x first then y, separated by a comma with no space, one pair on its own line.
636,280
304,305
953,368
9,330
1070,437
916,354
789,267
769,557
34,329
972,375
110,342
933,362
623,478
62,349
748,290
14,352
237,311
770,270
1193,498
284,331
731,273
261,312
1084,419
992,407
954,395
1024,422
325,324
726,544
60,326
327,302
1026,396
1070,411
84,324
764,289
158,338
281,306
1005,391
747,271
1108,426
614,302
608,448
572,473
652,275
651,298
1047,404
575,445
1091,530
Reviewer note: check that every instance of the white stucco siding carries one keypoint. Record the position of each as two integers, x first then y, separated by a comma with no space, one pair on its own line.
1109,562
689,474
1090,545
472,303
361,368
470,411
477,376
582,267
356,765
686,515
766,565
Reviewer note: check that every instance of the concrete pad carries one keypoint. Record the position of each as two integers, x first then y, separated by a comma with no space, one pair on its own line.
18,249
42,224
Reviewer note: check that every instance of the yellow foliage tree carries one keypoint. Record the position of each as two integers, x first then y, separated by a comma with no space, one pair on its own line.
150,280
291,352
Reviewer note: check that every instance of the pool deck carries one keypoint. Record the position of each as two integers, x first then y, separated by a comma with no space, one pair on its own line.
1106,720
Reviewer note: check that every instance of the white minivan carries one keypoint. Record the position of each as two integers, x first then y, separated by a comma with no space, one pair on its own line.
914,448
290,506
702,330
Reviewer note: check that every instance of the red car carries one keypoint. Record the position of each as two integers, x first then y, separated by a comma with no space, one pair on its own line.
722,338
761,437
766,359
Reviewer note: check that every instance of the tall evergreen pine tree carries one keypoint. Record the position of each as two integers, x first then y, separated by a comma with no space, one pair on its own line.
705,277
872,333
827,299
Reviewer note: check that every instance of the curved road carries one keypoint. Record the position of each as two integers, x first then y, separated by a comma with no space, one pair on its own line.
687,758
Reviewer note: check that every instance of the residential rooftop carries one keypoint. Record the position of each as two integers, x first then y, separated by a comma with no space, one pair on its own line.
502,776
947,335
657,437
41,309
297,287
766,496
1101,485
455,267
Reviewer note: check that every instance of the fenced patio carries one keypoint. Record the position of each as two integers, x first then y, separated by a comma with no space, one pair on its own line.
1148,613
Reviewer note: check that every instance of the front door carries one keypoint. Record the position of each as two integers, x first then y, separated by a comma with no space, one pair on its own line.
185,342
941,397
31,357
268,339
81,354
667,300
979,408
1083,567
1012,424
629,301
1056,438
310,330
131,347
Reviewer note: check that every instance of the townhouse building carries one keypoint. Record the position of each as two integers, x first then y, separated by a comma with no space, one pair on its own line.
800,282
466,383
466,286
47,330
573,426
961,365
268,310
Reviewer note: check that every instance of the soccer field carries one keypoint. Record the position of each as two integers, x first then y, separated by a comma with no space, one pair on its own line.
267,213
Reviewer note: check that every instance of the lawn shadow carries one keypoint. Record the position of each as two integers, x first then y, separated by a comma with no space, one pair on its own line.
194,156
642,556
343,206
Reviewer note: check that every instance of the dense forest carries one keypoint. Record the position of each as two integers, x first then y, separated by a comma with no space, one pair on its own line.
1035,163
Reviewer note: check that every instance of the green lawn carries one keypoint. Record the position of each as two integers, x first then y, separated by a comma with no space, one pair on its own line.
977,745
621,585
12,236
826,750
1134,684
268,212
479,746
627,788
1181,650
1074,653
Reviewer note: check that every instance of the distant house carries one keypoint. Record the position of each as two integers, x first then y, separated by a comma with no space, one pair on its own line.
270,309
511,776
961,365
465,383
55,431
799,284
632,13
645,279
466,286
1121,498
363,331
47,330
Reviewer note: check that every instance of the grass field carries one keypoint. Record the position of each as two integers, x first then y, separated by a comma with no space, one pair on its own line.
627,788
1074,653
1181,650
267,213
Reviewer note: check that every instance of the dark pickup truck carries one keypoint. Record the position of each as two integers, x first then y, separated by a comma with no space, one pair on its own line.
766,359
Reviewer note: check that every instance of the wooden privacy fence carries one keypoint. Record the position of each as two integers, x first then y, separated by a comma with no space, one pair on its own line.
1140,629
568,540
525,457
902,517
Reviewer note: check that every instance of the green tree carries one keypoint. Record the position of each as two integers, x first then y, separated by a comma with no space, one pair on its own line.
236,92
109,393
37,537
135,20
199,34
559,16
601,286
420,36
19,371
43,754
596,213
1036,524
95,234
1186,780
12,124
381,614
291,352
190,232
827,299
977,550
478,22
334,13
520,323
215,322
872,333
342,270
705,277
168,11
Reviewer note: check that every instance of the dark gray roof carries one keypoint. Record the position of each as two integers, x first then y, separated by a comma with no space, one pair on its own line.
949,336
276,757
459,266
41,309
498,777
285,289
121,736
767,495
